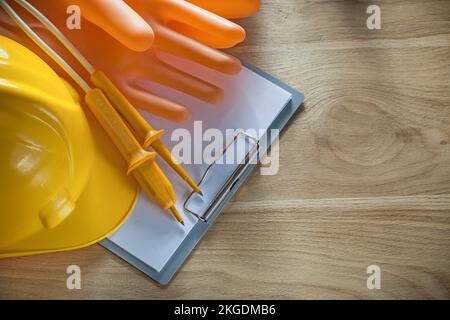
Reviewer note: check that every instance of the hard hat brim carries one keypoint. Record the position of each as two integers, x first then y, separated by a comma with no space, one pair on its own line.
104,205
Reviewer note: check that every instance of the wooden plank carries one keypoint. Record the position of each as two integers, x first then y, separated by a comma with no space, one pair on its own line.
364,172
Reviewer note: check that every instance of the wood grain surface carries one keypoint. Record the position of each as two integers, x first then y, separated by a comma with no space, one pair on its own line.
364,171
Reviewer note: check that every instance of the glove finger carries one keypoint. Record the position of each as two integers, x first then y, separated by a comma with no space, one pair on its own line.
173,42
153,104
210,26
119,20
179,80
230,9
218,41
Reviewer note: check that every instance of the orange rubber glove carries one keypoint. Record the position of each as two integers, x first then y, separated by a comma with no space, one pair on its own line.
160,14
173,26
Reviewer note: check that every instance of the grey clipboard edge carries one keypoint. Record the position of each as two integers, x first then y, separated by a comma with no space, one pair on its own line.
196,234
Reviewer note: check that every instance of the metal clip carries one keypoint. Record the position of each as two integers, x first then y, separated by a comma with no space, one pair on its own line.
249,157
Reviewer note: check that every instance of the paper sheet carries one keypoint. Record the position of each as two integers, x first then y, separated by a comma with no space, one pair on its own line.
251,102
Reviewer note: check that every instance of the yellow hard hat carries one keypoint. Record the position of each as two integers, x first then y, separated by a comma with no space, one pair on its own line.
63,184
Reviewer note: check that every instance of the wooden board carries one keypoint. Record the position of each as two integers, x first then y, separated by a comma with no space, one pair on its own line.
364,172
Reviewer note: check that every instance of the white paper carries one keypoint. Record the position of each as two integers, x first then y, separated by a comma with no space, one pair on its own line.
251,102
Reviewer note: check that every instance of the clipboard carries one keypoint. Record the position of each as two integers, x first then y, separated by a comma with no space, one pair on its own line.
143,241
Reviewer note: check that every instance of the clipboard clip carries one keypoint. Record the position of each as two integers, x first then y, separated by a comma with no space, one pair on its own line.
207,203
